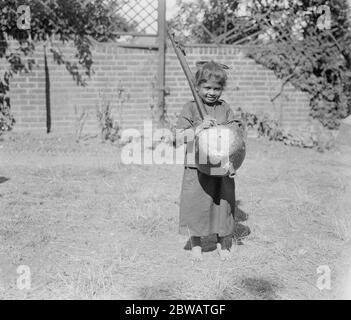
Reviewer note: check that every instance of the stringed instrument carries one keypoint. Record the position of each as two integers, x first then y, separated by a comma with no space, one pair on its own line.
219,150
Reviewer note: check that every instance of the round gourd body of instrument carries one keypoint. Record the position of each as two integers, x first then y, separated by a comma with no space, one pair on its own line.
219,150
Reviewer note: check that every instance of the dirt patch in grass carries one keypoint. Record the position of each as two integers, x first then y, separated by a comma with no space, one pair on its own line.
90,227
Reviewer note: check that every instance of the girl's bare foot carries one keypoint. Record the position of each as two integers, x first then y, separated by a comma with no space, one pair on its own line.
196,254
223,254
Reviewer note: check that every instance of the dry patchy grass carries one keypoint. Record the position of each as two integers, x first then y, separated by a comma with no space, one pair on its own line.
90,227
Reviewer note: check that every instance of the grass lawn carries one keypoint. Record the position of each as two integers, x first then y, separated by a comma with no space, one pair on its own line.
89,227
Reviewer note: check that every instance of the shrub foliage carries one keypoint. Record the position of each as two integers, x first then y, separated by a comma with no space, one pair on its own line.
76,21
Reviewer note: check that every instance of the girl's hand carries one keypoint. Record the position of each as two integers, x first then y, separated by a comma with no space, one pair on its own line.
206,123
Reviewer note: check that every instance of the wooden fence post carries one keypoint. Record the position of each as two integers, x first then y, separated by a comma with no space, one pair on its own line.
161,74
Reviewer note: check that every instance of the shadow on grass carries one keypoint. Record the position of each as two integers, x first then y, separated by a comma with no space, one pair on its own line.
3,180
251,289
161,291
260,288
240,231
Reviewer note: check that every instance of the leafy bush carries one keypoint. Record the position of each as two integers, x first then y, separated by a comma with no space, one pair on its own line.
110,130
309,136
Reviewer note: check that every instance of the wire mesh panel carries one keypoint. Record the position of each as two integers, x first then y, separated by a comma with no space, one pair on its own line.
142,14
147,18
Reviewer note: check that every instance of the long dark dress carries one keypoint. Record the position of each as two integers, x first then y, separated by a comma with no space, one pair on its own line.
207,203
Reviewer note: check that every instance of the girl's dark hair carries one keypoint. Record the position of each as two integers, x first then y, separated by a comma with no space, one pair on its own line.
211,71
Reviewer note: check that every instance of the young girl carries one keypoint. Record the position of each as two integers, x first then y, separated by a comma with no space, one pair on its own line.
207,203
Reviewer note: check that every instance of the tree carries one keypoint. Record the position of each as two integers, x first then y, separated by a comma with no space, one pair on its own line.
298,40
76,21
311,49
213,21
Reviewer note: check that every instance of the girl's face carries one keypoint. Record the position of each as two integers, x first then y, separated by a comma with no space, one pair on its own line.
210,91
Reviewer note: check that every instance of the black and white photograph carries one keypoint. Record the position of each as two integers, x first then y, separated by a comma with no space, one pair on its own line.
193,151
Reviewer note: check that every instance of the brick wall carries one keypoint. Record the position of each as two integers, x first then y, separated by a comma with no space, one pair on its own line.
250,86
